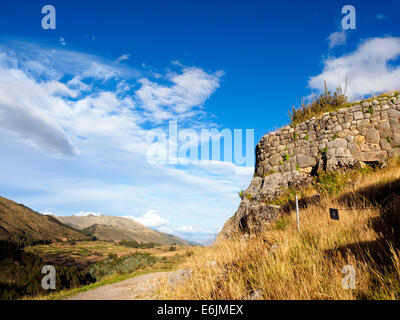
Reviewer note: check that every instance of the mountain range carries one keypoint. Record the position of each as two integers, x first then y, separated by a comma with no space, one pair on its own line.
107,227
20,223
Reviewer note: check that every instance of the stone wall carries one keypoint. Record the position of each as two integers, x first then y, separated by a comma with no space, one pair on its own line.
365,132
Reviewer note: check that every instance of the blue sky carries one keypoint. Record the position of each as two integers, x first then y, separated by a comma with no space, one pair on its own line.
77,102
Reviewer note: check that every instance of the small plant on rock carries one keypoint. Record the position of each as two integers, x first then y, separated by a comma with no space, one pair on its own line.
370,110
286,157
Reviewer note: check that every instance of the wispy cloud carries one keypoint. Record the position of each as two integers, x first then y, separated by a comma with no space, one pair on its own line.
62,41
24,111
187,90
337,39
98,113
123,57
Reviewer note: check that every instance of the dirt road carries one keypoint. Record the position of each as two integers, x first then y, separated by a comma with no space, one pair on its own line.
137,288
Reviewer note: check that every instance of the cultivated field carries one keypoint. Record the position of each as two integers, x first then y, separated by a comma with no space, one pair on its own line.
84,253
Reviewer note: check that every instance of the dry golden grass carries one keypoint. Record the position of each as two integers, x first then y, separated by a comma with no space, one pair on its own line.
308,265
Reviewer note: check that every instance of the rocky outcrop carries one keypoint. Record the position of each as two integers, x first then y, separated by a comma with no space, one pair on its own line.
347,138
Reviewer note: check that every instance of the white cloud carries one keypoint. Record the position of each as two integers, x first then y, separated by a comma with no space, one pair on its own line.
24,111
49,214
105,125
123,57
367,69
85,214
336,39
188,90
101,71
62,41
151,219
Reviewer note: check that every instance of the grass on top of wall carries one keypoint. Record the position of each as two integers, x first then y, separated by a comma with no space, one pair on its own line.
325,102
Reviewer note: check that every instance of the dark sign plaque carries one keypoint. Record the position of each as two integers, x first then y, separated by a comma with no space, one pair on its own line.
334,213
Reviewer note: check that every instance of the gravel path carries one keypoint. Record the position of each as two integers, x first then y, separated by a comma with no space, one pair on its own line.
137,288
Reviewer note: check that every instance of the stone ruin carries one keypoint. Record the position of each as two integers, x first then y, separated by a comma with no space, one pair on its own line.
348,138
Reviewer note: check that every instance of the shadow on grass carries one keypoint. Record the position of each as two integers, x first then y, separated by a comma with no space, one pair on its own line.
384,196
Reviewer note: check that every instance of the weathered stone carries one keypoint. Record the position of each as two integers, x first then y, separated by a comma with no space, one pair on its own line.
393,113
372,136
342,153
341,164
376,156
349,138
365,104
337,143
354,148
385,145
355,108
395,140
358,115
304,161
275,160
363,123
393,122
256,295
179,277
370,147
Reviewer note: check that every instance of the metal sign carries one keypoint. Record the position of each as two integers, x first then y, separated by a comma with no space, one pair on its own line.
334,213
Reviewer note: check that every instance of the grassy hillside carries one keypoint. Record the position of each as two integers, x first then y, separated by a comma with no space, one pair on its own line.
282,263
18,222
105,227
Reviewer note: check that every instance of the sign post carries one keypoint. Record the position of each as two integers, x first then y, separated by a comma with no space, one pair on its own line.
297,213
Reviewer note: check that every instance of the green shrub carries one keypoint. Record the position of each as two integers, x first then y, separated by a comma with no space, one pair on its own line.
281,223
326,102
330,183
24,274
121,265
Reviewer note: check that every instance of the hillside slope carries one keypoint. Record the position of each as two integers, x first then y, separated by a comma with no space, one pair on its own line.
280,262
18,222
106,227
